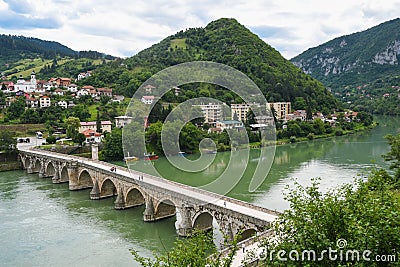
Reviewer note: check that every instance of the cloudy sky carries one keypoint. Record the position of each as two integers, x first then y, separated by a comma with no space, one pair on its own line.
124,27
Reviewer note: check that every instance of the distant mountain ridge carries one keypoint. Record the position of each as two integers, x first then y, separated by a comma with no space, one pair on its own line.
20,54
13,44
354,59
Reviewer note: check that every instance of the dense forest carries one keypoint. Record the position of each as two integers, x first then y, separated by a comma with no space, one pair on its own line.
224,41
381,96
17,50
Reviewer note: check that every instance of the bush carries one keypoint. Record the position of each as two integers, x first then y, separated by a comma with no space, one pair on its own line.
51,139
339,132
293,139
310,136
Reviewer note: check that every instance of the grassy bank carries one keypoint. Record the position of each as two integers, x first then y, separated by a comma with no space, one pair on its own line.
23,130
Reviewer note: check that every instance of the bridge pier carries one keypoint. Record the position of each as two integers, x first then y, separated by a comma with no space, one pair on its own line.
95,192
42,171
120,201
148,215
56,177
29,169
185,226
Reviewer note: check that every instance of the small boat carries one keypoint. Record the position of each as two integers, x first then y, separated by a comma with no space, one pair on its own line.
150,156
130,159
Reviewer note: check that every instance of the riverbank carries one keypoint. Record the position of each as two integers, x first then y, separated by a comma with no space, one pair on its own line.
9,162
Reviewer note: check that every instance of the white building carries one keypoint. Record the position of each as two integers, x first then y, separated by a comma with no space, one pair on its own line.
282,109
92,136
105,126
27,87
44,101
82,92
240,110
223,125
73,88
32,102
62,103
84,75
59,92
212,112
147,99
48,85
121,121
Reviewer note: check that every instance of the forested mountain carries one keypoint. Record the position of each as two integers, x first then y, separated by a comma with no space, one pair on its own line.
224,41
14,50
355,59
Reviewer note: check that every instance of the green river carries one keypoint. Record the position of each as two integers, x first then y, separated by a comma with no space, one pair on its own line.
43,224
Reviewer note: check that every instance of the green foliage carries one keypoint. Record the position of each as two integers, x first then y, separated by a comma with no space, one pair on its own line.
378,97
191,251
21,53
72,125
113,145
8,142
16,109
81,111
364,214
51,139
394,155
197,249
79,138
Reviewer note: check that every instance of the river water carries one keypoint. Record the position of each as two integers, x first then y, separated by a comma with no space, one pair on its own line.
42,224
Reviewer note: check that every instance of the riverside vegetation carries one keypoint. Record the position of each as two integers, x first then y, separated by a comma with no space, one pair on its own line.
364,214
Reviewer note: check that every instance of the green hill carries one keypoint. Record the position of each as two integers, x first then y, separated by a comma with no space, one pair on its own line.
224,41
355,59
22,55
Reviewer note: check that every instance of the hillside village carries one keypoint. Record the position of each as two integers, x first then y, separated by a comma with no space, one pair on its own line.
64,93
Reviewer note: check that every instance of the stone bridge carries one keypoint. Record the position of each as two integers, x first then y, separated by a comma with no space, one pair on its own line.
195,208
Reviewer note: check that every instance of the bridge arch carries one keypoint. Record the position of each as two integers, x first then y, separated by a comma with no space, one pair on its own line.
108,188
134,197
36,166
164,209
24,161
85,179
50,170
203,221
64,176
247,234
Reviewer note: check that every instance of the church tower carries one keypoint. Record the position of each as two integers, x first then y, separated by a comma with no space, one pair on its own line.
33,82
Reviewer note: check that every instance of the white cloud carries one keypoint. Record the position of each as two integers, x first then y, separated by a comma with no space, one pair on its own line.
123,28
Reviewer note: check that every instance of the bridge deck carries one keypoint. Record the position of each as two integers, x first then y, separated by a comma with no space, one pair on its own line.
195,193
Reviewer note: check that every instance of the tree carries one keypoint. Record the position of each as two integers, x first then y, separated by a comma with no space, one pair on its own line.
79,138
82,112
16,109
365,118
308,111
98,123
197,249
7,141
250,117
363,215
30,116
72,125
394,154
113,145
51,139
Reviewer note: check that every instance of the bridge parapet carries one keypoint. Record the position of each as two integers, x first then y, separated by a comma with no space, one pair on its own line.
196,207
